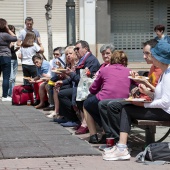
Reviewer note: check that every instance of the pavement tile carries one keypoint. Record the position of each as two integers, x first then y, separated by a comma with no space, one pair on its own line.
7,123
69,145
26,152
21,144
41,126
17,136
29,115
13,129
32,120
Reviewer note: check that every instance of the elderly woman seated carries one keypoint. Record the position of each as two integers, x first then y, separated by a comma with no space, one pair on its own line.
112,82
106,50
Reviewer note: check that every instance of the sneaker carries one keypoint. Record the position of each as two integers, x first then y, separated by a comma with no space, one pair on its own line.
109,149
60,120
117,155
103,139
52,115
104,147
49,108
93,139
6,99
82,130
69,124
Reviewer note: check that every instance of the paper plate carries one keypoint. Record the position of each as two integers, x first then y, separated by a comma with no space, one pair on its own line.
137,100
55,71
61,70
138,77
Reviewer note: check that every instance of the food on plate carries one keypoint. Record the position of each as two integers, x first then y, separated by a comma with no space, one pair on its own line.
61,69
138,77
141,77
131,99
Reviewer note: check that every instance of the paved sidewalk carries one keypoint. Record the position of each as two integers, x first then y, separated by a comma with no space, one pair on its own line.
32,141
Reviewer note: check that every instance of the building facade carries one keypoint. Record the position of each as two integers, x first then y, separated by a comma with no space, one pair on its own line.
129,23
125,23
16,11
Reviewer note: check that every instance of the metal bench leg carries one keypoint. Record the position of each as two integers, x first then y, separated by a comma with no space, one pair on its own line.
150,134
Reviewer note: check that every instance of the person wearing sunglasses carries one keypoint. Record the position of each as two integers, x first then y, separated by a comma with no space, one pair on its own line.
67,97
57,61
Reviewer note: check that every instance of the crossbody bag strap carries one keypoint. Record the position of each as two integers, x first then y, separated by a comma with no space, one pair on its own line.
62,62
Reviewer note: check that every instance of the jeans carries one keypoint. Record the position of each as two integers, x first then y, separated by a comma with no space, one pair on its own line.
66,108
91,105
14,68
110,116
5,64
131,112
50,94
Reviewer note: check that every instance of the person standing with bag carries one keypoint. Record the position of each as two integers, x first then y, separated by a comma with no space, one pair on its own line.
6,37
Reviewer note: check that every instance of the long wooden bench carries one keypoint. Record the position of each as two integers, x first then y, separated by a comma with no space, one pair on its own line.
150,129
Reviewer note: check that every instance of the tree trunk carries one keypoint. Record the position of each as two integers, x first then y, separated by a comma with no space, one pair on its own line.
48,15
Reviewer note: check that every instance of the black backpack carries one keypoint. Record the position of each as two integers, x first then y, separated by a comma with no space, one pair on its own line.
155,153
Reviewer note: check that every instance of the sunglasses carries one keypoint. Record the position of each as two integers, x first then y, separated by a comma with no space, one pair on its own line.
76,48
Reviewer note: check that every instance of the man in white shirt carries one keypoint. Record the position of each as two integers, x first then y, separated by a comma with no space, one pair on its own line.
59,56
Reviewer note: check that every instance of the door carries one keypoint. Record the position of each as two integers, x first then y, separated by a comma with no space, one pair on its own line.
133,22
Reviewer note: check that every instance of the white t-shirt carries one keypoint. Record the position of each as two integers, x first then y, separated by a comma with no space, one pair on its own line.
54,60
54,65
28,53
162,93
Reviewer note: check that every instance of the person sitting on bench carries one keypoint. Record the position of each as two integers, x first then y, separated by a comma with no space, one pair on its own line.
158,109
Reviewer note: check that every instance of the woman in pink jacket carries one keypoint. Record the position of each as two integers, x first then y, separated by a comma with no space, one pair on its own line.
112,82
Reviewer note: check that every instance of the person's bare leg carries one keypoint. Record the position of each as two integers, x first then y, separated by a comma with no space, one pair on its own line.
42,93
83,122
90,122
123,138
56,101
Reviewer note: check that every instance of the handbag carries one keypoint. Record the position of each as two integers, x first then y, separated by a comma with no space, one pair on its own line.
83,86
155,153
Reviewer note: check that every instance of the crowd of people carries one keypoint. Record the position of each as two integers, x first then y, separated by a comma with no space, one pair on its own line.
55,84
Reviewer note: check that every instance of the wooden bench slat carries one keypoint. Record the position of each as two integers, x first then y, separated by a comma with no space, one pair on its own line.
152,122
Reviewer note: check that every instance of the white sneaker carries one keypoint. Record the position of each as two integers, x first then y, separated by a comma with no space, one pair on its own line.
51,115
116,155
110,149
104,147
6,99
